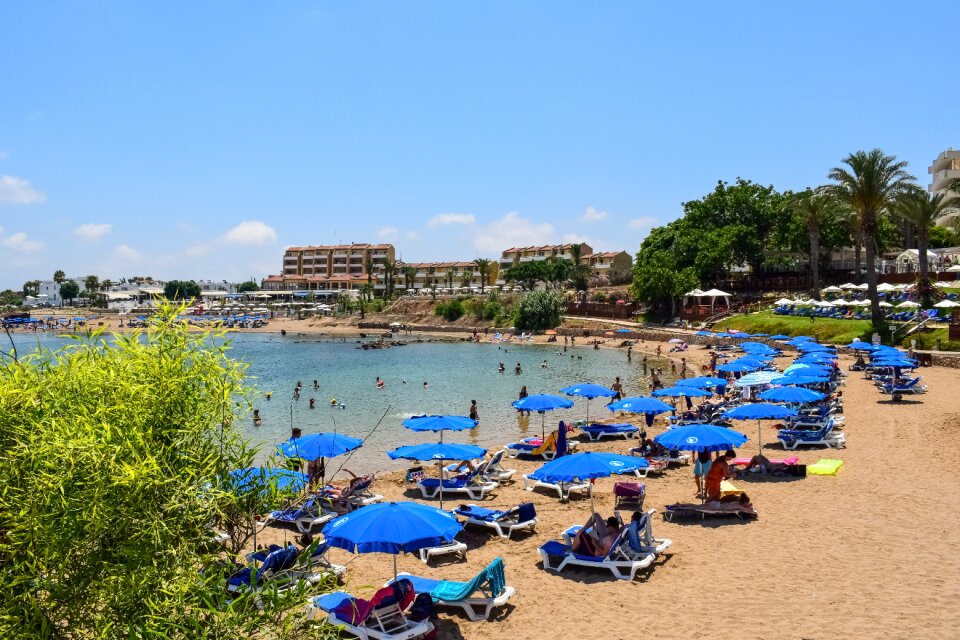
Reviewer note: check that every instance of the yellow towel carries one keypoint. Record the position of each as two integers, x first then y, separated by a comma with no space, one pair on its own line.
824,467
727,488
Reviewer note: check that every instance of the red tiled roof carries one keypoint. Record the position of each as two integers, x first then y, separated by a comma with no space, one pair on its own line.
330,247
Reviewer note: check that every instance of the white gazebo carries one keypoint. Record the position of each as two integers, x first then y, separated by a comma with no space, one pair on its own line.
833,289
713,294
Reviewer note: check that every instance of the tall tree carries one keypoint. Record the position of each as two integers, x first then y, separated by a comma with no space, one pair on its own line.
91,284
106,284
59,276
921,210
409,276
368,267
389,270
814,209
869,184
450,275
483,268
69,290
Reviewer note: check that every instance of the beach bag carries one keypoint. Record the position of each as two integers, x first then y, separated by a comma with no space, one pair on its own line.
422,608
415,474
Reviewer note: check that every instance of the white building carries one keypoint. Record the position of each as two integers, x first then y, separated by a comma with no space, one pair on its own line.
944,170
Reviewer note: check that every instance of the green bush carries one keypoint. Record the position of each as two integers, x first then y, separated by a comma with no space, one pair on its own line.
450,311
539,310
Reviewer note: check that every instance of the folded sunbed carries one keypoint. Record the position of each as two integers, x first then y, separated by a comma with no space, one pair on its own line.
622,561
311,564
690,510
595,432
519,518
474,485
274,563
826,436
477,597
380,618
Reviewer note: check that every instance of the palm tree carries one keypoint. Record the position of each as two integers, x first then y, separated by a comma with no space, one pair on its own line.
368,266
869,185
921,210
91,284
389,269
814,208
59,276
450,276
106,284
483,268
409,275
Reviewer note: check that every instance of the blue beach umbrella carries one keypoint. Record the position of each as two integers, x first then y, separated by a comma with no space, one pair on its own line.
589,391
681,392
800,379
253,477
704,333
759,411
318,445
702,382
737,367
701,437
862,346
757,378
899,364
439,451
440,423
650,407
392,527
779,336
792,394
586,466
541,403
624,330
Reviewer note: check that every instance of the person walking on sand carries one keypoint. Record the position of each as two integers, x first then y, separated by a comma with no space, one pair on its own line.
659,350
474,414
683,368
644,363
655,382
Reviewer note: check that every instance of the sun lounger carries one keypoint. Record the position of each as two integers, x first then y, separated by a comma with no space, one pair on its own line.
742,462
911,386
712,508
827,436
656,466
677,458
311,564
595,432
521,517
622,561
563,489
495,470
274,564
546,449
640,536
474,485
304,517
628,494
380,618
454,547
477,597
357,494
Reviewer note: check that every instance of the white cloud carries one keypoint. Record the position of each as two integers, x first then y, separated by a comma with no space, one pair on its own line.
125,252
15,190
21,243
442,219
593,215
388,233
643,222
251,233
91,231
511,231
575,238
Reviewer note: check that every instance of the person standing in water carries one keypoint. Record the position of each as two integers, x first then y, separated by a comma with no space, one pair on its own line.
617,389
474,414
523,394
518,369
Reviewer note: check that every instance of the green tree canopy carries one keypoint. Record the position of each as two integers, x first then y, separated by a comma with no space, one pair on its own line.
69,290
115,459
249,285
539,310
181,290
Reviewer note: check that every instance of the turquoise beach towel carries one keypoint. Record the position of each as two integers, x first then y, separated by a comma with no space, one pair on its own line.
455,591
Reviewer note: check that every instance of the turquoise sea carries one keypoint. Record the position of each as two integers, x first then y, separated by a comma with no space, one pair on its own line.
455,373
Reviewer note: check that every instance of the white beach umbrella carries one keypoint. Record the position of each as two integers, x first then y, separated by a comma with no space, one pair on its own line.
908,304
848,285
954,269
783,301
885,287
885,305
946,304
832,289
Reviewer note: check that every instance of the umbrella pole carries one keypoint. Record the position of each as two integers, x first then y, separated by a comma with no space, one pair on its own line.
759,439
440,470
588,411
543,428
394,567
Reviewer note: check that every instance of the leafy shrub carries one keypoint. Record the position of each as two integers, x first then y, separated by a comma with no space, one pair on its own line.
450,311
539,310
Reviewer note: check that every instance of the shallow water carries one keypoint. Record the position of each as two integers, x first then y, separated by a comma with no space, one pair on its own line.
455,373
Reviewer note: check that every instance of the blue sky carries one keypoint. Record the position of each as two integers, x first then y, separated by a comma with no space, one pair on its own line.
184,139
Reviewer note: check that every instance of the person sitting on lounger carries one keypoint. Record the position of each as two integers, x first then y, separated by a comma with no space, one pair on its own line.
332,491
597,536
764,465
719,471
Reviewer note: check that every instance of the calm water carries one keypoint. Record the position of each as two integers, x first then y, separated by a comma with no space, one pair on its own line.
455,373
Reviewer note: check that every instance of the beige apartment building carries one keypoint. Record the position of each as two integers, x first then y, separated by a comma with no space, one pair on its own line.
615,266
517,255
462,274
331,267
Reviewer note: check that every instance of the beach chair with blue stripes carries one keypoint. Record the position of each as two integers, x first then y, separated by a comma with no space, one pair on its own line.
477,597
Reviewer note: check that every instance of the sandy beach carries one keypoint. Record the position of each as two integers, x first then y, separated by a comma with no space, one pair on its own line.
868,553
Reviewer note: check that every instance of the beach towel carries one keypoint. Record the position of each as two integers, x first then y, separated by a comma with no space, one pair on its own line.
825,467
492,576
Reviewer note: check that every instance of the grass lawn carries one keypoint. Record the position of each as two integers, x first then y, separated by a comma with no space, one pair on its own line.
824,329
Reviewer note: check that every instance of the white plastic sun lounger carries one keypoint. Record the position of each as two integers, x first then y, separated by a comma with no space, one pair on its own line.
563,489
622,562
504,523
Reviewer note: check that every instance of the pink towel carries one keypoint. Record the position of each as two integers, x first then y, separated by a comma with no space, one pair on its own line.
745,461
